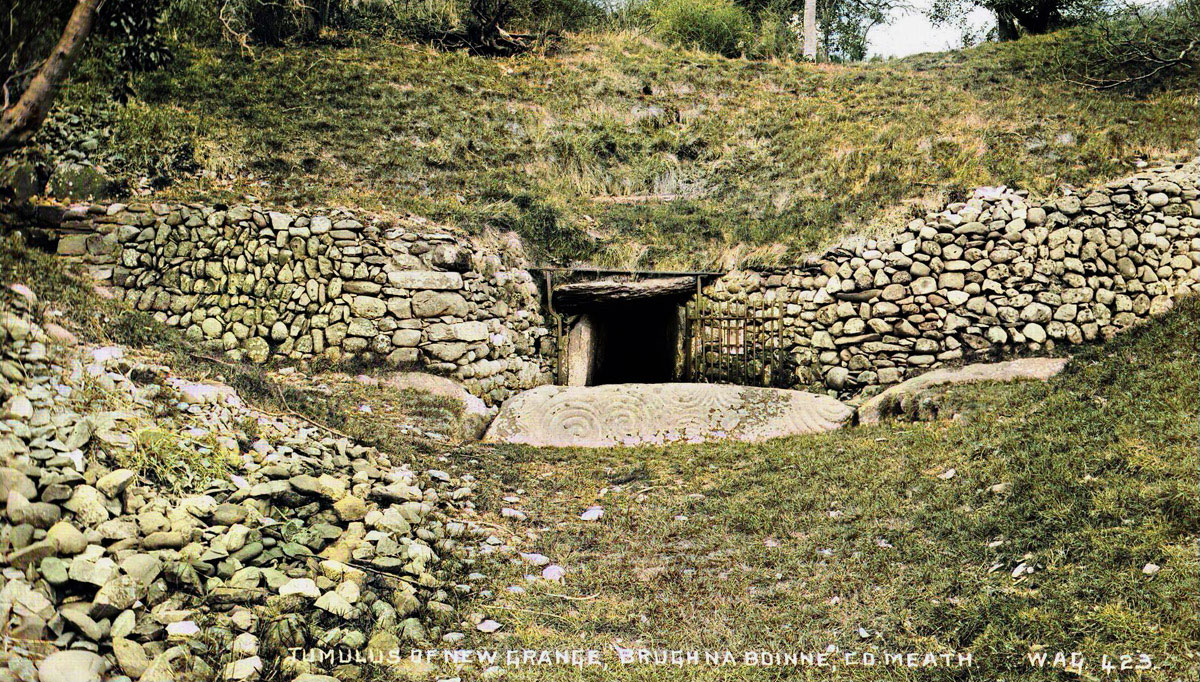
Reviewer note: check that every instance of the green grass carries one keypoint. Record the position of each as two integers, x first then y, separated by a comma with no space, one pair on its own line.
795,544
622,151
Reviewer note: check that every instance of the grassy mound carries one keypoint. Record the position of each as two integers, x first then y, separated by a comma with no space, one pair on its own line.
796,544
1025,526
620,150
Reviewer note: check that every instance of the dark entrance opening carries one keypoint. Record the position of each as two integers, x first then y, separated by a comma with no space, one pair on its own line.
623,332
635,343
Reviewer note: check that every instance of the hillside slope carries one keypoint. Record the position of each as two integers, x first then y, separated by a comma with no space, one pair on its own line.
619,150
1044,517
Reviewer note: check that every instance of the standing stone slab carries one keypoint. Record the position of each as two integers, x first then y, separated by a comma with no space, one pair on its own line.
892,400
635,414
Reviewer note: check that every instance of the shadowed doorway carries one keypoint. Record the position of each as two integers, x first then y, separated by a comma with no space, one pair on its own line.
635,343
624,332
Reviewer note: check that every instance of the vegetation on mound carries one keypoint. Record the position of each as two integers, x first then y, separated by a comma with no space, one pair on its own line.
619,150
911,532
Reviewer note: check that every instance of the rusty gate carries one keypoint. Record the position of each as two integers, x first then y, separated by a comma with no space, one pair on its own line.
731,343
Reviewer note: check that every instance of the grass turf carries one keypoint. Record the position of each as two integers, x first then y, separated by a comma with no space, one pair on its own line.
796,544
621,151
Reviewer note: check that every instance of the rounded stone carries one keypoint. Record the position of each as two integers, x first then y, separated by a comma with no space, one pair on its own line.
72,666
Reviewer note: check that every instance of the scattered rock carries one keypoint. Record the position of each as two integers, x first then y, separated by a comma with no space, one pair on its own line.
917,398
72,666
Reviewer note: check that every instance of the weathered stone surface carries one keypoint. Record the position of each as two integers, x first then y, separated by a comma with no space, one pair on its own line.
475,415
425,279
438,303
301,286
72,666
78,181
996,273
893,400
125,568
631,414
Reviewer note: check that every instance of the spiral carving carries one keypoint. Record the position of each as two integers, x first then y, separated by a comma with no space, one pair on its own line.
631,414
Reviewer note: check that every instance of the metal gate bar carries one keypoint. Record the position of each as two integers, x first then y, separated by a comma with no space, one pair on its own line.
733,343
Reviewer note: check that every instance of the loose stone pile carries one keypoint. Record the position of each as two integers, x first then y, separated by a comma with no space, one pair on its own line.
995,275
257,283
157,529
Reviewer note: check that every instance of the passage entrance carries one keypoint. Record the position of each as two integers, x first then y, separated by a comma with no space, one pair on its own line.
634,343
623,332
658,330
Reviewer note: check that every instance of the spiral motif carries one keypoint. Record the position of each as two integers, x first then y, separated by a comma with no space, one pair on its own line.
578,421
629,414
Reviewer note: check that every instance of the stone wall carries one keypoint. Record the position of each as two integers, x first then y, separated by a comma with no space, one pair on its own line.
1000,274
256,284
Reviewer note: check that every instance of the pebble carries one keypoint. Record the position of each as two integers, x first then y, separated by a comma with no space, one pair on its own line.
488,626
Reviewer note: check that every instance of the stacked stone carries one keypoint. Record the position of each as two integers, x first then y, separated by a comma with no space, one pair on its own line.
297,539
258,284
998,274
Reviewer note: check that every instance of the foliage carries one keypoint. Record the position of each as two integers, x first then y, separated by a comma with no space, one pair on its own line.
274,22
28,30
177,462
718,26
1138,48
1017,17
417,19
250,23
132,27
128,29
557,16
843,24
775,36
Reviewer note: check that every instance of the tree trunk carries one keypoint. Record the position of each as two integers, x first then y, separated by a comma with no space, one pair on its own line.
1042,18
20,121
810,30
1006,26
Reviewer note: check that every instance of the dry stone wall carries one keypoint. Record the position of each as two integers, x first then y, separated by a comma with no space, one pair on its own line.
256,284
999,274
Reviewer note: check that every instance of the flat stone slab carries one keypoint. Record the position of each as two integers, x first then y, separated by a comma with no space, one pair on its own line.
636,414
903,397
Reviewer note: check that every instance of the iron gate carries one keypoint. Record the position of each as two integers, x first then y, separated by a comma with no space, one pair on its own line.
731,343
